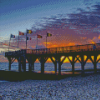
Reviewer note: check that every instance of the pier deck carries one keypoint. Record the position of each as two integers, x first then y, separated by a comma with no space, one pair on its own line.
77,53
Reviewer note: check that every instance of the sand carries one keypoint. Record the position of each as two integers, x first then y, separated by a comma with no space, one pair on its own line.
70,88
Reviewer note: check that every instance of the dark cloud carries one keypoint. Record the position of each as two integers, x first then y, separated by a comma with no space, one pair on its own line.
96,8
83,19
87,19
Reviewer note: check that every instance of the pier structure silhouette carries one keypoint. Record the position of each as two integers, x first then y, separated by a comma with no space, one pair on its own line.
77,52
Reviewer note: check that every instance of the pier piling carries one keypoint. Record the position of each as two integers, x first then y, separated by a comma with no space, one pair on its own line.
9,63
19,62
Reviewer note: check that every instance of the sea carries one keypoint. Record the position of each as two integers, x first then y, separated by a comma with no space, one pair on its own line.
47,67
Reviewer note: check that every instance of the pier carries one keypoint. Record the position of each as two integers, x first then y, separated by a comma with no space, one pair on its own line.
77,52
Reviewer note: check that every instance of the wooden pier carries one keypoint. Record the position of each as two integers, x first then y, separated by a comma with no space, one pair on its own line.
77,52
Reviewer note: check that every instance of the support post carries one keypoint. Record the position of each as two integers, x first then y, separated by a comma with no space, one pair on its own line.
82,65
95,64
42,61
30,64
55,67
42,67
60,63
9,64
19,61
33,60
59,66
95,67
55,64
73,67
24,64
72,63
33,66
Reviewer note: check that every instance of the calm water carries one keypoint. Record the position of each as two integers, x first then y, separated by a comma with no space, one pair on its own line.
48,66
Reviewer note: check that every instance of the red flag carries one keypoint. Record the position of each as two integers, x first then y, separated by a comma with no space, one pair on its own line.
21,33
39,36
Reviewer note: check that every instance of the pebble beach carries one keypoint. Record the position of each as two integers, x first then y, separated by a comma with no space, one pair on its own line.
70,88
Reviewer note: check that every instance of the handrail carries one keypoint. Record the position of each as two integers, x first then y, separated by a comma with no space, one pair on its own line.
67,49
76,48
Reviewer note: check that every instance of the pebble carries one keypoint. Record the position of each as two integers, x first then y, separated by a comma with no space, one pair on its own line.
70,88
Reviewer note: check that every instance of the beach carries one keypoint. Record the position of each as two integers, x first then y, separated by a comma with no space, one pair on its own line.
70,88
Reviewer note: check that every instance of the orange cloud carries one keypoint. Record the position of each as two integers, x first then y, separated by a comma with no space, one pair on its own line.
33,46
94,38
91,41
83,38
54,46
71,44
47,43
99,37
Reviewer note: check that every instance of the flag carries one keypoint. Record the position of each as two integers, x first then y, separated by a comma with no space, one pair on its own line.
29,31
12,36
21,33
28,38
49,34
39,36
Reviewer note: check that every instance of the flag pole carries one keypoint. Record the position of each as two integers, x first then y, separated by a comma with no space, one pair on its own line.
18,40
9,42
46,42
37,42
26,40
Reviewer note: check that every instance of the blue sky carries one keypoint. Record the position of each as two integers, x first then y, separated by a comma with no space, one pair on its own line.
19,15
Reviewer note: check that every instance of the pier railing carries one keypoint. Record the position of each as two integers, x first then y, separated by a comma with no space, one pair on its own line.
67,49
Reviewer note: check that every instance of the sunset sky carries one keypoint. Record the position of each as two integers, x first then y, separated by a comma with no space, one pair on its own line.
71,22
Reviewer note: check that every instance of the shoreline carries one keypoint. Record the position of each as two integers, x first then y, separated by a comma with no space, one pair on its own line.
48,75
